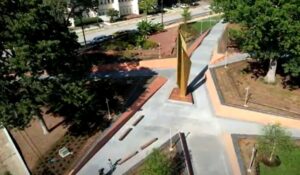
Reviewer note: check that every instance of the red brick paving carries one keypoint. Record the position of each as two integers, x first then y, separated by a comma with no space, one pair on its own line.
167,41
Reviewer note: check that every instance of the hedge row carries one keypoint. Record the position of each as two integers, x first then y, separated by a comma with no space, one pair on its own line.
87,21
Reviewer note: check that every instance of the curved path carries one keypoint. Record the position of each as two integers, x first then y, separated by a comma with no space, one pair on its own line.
204,130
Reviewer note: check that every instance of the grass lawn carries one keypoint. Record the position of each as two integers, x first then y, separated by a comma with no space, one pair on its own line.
290,165
205,24
290,162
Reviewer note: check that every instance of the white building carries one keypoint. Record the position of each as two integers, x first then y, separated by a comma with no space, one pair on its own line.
125,7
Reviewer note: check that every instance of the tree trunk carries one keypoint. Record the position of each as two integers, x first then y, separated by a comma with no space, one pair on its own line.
272,153
43,125
83,34
270,77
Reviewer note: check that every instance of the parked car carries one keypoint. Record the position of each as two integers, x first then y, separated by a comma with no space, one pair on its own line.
100,39
123,33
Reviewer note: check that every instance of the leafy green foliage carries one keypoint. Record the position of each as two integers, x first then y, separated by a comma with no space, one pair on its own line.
157,164
112,13
87,21
146,28
148,6
186,15
270,29
274,140
40,66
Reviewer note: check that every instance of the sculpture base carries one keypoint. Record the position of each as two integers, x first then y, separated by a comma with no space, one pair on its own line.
175,95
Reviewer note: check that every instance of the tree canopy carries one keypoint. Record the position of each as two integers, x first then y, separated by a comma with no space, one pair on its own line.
270,30
112,13
39,66
148,6
274,139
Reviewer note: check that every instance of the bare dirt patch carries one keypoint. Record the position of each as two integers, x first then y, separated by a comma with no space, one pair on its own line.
276,99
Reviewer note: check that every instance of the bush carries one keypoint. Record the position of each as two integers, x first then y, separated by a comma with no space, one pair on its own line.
149,44
147,27
157,163
87,21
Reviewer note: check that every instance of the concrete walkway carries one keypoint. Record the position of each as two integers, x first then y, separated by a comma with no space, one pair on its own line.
203,129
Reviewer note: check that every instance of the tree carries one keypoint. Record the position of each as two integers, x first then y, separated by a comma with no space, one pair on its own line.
186,15
274,140
270,31
77,7
148,6
39,63
156,164
112,13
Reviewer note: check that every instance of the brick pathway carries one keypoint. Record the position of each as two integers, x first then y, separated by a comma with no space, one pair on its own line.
167,41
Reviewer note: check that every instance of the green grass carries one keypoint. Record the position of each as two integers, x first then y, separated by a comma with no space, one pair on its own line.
206,24
290,165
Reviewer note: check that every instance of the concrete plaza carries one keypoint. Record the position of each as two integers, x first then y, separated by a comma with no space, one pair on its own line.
204,131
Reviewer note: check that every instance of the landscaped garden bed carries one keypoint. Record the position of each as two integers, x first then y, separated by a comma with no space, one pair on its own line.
78,139
289,161
281,98
175,161
195,29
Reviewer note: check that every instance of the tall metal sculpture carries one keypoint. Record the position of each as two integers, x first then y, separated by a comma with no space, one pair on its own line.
183,65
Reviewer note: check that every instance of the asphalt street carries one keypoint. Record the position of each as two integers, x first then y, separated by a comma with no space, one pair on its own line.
169,18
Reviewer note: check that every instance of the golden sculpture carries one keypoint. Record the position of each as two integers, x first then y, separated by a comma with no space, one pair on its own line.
183,65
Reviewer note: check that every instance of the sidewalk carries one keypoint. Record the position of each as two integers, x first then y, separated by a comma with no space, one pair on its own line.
163,116
10,159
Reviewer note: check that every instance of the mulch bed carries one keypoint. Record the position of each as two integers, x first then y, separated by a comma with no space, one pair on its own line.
277,99
41,151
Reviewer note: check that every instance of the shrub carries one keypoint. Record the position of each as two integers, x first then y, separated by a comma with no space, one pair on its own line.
87,21
147,27
148,44
157,163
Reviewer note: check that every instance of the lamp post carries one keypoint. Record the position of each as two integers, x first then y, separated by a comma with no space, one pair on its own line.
226,61
106,101
159,51
246,96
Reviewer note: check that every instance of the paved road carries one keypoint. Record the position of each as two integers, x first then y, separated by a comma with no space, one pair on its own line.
169,18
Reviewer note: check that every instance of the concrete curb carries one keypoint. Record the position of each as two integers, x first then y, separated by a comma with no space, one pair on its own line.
232,112
231,153
21,160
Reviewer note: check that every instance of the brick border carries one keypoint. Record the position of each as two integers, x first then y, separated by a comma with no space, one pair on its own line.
231,154
156,84
236,113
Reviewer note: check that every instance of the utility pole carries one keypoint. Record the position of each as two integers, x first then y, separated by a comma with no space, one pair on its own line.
82,28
